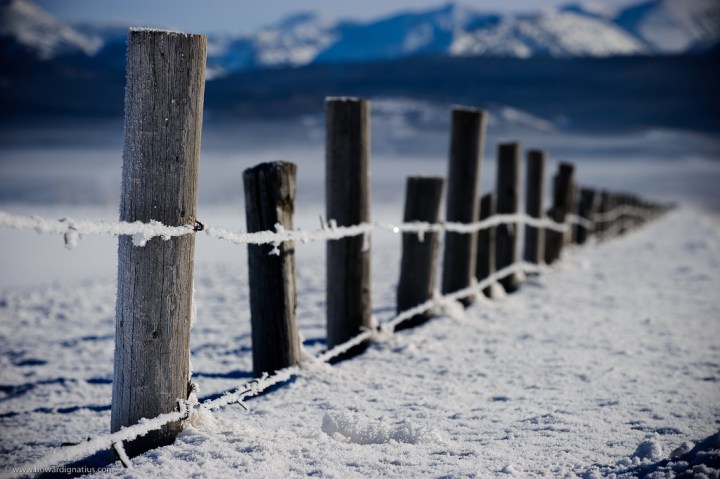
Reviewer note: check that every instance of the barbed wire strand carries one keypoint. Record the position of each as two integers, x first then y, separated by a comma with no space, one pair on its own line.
618,211
143,232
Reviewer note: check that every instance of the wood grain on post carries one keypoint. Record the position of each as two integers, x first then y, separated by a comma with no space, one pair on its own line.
466,147
508,202
588,207
163,118
347,198
270,200
423,197
534,207
485,265
562,197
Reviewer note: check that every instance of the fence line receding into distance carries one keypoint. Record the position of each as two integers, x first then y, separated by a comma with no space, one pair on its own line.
165,229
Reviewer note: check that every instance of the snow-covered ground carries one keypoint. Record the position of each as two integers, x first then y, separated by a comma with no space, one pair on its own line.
605,364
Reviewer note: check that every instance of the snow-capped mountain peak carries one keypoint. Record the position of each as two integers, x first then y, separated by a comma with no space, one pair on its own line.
454,15
295,40
303,20
41,33
592,8
672,26
587,28
559,34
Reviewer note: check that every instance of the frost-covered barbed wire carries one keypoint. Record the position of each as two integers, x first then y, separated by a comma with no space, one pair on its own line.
579,220
612,231
495,220
67,454
617,212
73,230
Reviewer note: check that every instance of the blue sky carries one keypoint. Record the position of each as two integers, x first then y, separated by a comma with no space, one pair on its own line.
246,15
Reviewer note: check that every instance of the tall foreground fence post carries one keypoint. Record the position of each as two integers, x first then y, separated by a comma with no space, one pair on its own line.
270,200
423,197
486,243
466,147
163,118
508,202
347,197
534,199
562,198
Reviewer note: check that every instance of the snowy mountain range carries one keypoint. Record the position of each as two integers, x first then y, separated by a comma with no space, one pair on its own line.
587,29
28,28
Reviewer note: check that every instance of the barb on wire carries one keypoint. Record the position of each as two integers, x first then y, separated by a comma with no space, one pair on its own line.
253,388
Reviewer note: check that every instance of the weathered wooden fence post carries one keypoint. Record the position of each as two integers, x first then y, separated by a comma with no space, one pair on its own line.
508,202
624,219
562,196
163,118
270,200
466,147
423,197
636,203
534,199
603,207
347,198
588,207
612,225
486,243
571,236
